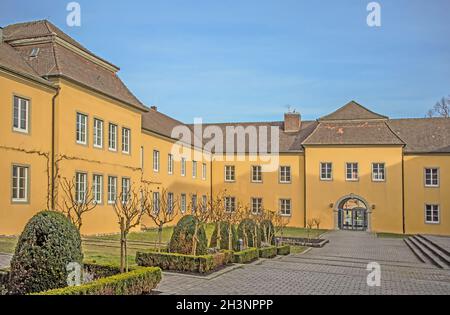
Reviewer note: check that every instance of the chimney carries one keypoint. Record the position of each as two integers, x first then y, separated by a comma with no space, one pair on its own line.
154,108
292,122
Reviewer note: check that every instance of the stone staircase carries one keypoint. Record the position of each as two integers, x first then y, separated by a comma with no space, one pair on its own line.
428,251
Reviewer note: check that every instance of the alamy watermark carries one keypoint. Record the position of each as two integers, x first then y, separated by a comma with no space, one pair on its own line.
374,276
74,16
374,16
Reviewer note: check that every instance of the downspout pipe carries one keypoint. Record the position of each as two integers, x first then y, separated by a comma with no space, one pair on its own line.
53,148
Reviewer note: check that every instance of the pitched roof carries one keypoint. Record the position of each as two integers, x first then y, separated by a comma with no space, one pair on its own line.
352,111
56,59
423,135
353,133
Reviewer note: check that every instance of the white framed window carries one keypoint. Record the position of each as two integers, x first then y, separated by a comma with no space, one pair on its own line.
81,130
230,204
21,109
170,164
432,214
326,171
80,187
125,189
183,203
194,203
194,169
183,166
378,172
98,133
256,174
20,183
170,202
97,182
285,207
204,202
126,140
156,202
112,189
204,171
285,174
432,177
155,160
112,137
230,173
351,172
256,205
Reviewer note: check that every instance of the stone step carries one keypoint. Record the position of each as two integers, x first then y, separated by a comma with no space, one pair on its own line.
428,254
416,251
435,249
429,239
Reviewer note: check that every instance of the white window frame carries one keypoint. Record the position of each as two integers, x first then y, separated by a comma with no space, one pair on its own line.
257,205
256,174
285,207
183,203
19,102
194,169
97,188
230,204
126,140
156,202
183,167
81,186
432,174
156,161
230,173
170,202
170,164
204,202
351,166
434,209
194,203
98,133
376,172
126,186
18,178
112,137
81,129
286,172
204,171
326,168
112,189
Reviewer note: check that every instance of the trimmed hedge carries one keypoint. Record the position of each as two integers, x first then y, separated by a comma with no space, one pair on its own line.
283,250
246,256
224,231
184,263
137,282
182,237
268,252
49,242
4,280
102,270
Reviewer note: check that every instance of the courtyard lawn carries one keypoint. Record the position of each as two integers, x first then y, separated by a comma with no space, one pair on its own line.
301,232
7,244
392,235
298,249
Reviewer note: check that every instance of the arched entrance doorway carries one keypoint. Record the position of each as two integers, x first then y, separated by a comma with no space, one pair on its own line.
352,214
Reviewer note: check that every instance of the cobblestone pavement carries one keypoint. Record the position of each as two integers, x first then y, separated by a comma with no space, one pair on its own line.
338,268
4,260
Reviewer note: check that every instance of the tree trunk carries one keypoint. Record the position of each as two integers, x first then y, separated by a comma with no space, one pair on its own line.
230,237
125,235
160,230
219,236
194,240
121,245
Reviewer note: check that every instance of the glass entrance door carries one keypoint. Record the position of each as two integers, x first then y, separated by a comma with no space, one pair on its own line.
353,219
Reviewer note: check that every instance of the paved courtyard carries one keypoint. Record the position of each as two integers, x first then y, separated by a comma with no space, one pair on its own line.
338,268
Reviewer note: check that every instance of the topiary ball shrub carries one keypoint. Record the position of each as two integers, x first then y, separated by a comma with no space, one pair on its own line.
248,231
267,231
47,244
224,232
181,241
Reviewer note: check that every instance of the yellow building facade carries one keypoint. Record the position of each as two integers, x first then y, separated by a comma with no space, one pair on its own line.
67,117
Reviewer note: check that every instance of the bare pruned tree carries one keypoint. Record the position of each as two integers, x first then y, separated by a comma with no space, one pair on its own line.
217,209
441,108
281,221
129,207
232,217
76,203
203,215
163,208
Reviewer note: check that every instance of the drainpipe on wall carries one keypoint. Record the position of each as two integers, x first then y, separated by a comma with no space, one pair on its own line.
403,193
53,149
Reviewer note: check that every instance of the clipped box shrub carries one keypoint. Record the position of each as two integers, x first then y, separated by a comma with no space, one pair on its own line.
183,234
225,236
283,250
136,282
101,270
49,242
246,256
4,280
268,252
184,263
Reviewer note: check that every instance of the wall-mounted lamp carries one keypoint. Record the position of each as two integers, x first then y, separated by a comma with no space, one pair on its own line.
331,205
373,207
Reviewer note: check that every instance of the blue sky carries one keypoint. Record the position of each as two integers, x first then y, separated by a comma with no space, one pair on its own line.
247,60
